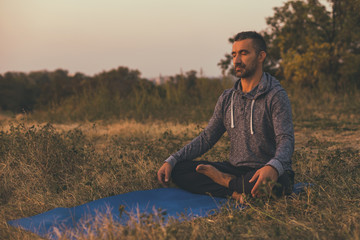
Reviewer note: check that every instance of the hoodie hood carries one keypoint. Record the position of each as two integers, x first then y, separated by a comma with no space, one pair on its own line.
267,83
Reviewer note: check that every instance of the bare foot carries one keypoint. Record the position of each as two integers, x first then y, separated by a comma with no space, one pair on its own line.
217,176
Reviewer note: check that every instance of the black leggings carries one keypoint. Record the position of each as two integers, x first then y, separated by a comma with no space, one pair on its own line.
185,176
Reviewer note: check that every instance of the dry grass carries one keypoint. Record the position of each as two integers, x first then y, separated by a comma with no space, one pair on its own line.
44,166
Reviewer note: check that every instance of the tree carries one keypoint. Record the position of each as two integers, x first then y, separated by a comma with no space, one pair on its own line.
119,81
225,64
313,47
16,92
316,48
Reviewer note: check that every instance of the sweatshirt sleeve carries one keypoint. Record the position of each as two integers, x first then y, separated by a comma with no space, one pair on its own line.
206,140
284,132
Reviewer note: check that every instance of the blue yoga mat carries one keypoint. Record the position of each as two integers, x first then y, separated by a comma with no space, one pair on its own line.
177,203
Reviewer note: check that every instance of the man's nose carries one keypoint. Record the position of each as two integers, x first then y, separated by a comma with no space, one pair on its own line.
237,59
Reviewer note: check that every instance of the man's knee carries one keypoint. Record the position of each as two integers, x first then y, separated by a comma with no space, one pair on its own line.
285,184
182,168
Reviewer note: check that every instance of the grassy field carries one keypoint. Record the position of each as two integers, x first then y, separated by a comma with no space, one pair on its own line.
44,166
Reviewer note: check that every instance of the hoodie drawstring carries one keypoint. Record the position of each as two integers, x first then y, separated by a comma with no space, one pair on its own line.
251,113
232,109
251,117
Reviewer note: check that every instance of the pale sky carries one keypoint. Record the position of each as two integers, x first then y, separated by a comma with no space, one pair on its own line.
152,36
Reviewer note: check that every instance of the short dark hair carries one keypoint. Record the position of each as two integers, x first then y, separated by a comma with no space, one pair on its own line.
258,40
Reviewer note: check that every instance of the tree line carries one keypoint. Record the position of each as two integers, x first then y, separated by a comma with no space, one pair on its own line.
311,49
118,93
21,92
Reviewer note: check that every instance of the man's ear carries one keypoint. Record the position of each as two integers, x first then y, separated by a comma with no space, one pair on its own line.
262,56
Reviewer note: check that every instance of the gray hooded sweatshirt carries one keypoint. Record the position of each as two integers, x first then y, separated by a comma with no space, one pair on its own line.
259,125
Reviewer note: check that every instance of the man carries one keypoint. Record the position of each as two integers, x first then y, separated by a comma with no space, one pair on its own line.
256,113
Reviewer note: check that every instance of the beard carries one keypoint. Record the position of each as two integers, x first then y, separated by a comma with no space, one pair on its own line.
245,71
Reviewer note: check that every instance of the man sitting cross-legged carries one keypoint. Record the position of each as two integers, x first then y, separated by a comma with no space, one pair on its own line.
256,114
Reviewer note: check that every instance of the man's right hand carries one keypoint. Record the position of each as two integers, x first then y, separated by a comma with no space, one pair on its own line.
164,174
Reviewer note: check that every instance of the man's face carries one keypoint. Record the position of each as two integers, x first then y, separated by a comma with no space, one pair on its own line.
245,58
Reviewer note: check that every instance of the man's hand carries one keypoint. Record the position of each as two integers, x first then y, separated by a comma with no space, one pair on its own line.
164,174
263,174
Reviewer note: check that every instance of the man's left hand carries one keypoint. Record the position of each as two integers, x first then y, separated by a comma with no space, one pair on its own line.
263,174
